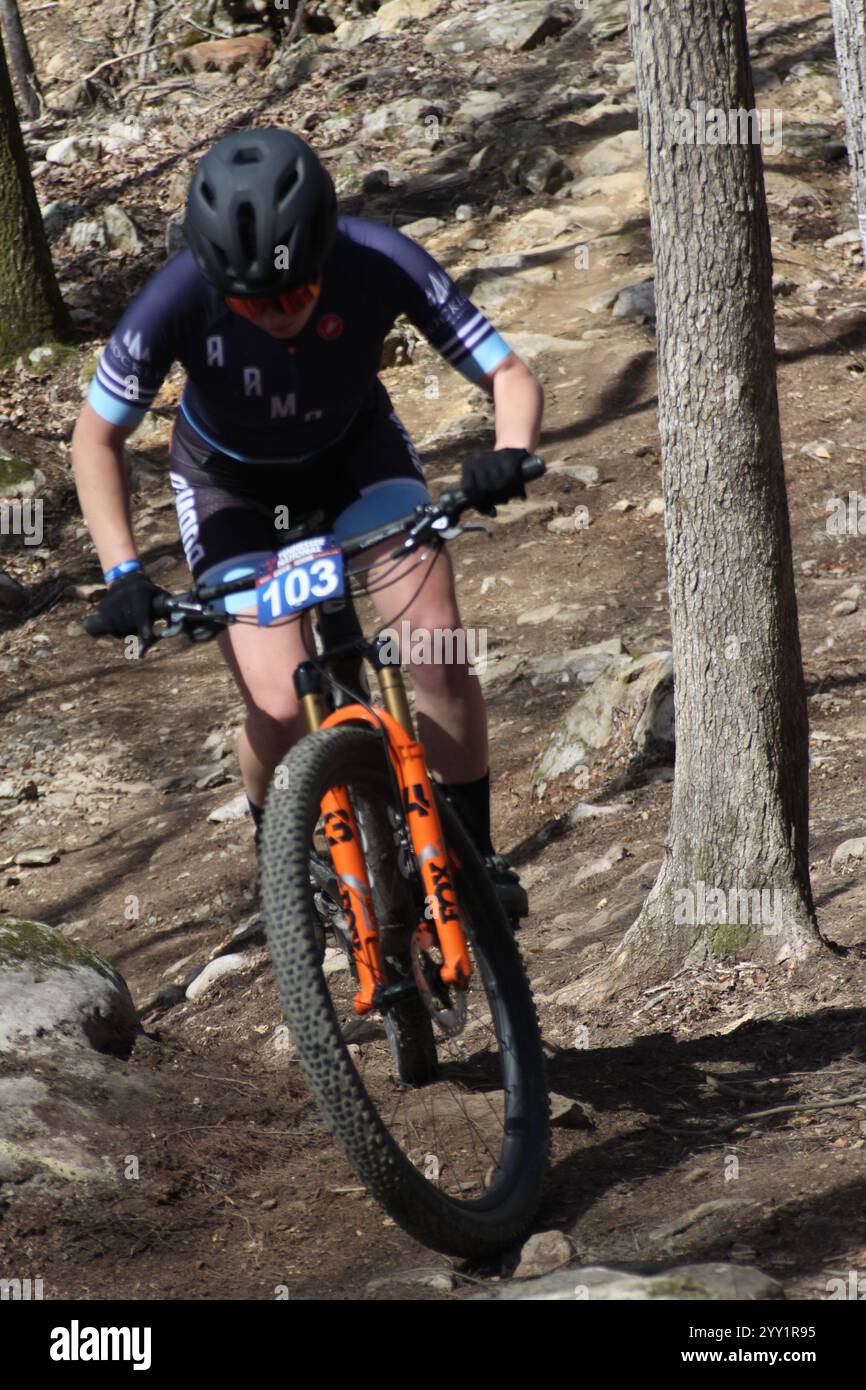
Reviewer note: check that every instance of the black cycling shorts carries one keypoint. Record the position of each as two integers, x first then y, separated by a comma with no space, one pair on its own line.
234,515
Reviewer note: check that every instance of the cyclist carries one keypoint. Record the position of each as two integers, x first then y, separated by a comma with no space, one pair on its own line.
278,309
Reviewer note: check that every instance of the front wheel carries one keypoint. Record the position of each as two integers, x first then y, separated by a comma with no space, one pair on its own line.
456,1153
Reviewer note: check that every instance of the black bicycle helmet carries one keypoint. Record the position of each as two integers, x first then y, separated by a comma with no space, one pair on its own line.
261,213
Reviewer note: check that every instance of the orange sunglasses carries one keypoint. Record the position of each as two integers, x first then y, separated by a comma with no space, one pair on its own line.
291,303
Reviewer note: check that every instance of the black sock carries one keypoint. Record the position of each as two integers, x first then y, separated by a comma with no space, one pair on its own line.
256,812
471,801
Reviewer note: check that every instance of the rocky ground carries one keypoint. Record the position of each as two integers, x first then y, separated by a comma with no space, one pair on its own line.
722,1115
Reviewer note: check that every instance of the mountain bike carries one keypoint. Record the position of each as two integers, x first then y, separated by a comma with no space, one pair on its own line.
401,984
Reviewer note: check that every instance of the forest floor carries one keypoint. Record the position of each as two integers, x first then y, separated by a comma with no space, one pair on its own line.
707,1131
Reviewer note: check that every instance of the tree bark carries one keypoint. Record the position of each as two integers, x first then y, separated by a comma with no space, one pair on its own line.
849,23
740,810
31,308
29,89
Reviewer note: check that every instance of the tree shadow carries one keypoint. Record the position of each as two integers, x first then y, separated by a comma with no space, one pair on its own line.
665,1080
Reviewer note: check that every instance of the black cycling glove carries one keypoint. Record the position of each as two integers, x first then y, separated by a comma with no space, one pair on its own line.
127,608
494,477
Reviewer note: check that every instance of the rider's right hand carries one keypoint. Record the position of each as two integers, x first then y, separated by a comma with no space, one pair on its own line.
127,608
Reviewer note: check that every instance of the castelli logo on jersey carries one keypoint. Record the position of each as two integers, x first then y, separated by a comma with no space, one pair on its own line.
330,327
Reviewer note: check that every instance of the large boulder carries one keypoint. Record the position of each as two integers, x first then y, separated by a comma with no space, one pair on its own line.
513,27
631,702
50,984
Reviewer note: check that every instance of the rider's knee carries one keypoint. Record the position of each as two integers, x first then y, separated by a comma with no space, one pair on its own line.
276,717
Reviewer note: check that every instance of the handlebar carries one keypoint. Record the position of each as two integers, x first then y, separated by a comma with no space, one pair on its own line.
428,520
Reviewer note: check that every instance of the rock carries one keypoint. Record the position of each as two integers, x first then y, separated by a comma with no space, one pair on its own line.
235,809
516,28
121,133
352,32
401,115
51,984
216,970
37,857
335,962
120,230
654,507
13,597
848,850
376,181
398,347
583,664
565,1111
425,1277
479,106
510,512
614,155
72,148
599,866
708,1283
543,1253
821,449
849,238
639,693
811,141
225,55
585,473
844,608
87,234
636,302
539,170
57,216
531,345
394,14
8,791
18,478
423,227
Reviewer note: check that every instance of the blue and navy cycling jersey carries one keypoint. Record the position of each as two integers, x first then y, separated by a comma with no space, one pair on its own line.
268,400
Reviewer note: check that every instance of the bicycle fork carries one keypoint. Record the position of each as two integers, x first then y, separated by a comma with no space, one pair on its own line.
425,832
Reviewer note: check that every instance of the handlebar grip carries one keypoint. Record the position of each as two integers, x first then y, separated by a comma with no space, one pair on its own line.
533,468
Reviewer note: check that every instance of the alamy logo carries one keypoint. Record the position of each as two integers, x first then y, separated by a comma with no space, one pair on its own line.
700,124
77,1343
22,517
21,1290
443,646
703,906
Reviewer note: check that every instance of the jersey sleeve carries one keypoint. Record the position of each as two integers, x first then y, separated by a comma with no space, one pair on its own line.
141,349
430,299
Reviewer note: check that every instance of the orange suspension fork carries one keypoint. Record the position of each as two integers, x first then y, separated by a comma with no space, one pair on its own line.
419,807
356,899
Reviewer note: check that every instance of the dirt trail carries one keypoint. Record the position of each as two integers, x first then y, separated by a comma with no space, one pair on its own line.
240,1189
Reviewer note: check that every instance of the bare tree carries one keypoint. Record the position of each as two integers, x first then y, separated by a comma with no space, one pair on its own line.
849,22
31,308
22,62
735,877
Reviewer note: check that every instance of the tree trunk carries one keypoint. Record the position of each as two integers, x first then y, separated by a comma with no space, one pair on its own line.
22,63
735,878
849,22
31,308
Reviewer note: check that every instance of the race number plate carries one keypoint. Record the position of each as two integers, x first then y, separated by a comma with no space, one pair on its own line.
299,577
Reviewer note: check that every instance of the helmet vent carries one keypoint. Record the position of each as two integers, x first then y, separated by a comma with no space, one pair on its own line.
286,183
247,230
208,194
247,155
